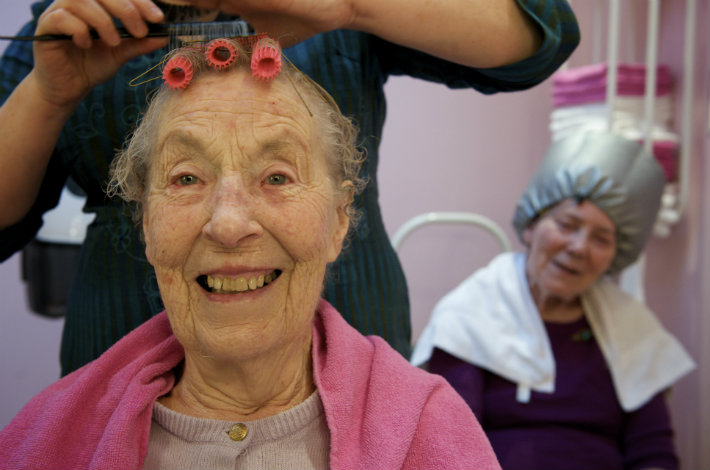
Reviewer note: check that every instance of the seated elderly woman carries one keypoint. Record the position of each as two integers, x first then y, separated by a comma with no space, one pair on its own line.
562,368
244,187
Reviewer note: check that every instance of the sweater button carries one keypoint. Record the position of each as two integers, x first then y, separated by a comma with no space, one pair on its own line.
238,432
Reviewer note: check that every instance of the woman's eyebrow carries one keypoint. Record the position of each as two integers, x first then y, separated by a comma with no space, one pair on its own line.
182,139
283,146
276,145
605,230
580,220
563,214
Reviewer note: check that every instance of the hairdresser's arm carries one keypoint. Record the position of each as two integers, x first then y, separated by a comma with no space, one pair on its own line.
476,33
33,116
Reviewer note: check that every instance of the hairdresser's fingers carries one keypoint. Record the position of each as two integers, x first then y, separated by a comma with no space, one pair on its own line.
238,7
99,15
150,11
213,5
134,14
65,78
132,48
76,18
287,30
289,20
60,21
101,62
66,71
306,10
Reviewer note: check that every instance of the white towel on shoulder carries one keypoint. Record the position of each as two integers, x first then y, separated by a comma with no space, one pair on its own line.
490,320
642,356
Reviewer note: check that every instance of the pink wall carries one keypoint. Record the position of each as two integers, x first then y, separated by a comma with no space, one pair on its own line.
679,267
461,151
29,344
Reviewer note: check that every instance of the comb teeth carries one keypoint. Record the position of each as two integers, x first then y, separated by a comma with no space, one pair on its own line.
185,33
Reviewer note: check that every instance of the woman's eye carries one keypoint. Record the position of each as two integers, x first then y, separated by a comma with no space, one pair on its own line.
277,179
565,225
187,180
604,241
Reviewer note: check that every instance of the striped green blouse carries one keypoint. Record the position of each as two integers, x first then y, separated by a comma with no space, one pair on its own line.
115,289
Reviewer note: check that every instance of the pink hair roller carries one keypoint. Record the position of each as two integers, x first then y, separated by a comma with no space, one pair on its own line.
266,59
221,53
178,72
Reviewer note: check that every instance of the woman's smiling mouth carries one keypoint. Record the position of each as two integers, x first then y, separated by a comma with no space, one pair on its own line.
564,268
235,285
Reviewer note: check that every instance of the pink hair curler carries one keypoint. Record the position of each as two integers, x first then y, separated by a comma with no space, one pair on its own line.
178,72
266,59
221,53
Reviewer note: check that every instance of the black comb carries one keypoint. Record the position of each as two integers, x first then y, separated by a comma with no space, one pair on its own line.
207,31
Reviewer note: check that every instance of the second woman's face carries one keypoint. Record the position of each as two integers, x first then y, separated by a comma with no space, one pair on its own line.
569,248
241,216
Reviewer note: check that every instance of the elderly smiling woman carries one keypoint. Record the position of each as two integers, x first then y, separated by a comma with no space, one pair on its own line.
562,368
243,188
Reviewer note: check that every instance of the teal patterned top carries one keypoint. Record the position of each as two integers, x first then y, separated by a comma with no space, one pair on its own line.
115,289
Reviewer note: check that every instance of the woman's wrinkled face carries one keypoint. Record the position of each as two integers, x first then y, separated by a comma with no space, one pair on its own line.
241,215
569,248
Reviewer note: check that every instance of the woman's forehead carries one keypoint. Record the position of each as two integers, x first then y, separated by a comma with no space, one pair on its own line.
233,99
584,211
239,86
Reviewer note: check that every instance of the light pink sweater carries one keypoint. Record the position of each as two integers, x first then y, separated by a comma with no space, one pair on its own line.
381,412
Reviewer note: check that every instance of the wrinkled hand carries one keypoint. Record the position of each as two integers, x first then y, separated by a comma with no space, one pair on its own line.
290,21
65,71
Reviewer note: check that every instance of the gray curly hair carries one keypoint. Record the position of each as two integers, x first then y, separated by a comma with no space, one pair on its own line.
129,170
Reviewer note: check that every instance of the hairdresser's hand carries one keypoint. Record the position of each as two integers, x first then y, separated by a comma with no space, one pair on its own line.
65,71
476,33
290,21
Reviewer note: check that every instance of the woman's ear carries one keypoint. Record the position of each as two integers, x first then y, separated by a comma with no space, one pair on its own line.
146,235
342,223
527,234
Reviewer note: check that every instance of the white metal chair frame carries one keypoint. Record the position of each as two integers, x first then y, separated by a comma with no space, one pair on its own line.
430,218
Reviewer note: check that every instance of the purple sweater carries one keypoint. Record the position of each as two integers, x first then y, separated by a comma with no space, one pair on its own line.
579,426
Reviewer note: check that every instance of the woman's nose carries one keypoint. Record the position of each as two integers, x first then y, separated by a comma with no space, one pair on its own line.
577,242
232,215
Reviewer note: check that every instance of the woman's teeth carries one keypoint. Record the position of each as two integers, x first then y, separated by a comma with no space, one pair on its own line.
232,285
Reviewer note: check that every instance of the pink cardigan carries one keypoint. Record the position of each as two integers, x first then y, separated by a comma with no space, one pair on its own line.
381,411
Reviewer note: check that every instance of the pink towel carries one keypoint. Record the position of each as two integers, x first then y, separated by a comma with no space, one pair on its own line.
634,73
666,152
587,84
406,418
381,411
98,417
